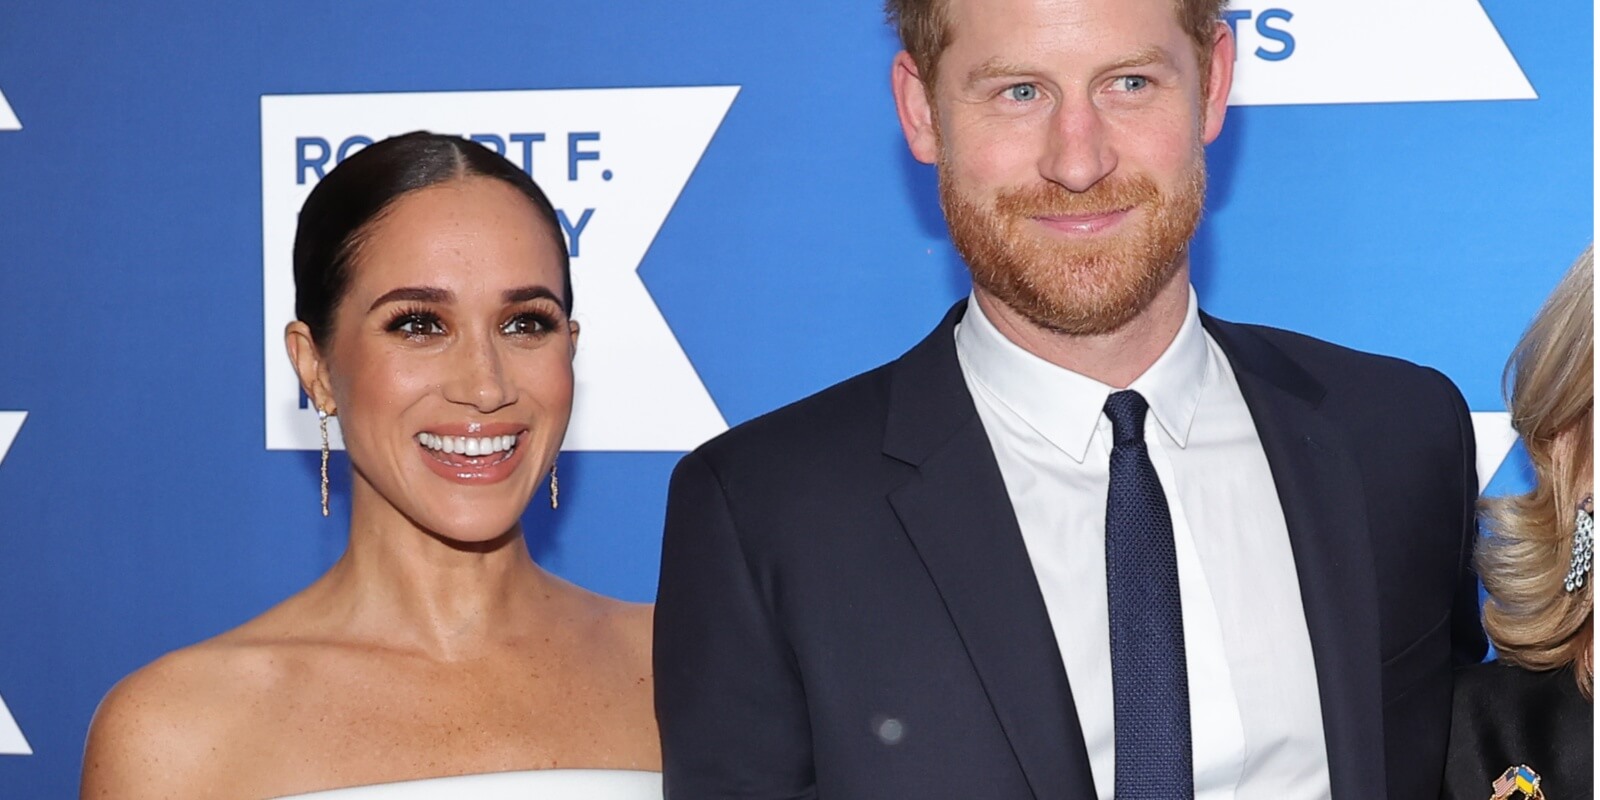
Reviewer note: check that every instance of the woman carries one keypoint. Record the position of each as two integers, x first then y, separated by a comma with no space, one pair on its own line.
1523,725
433,298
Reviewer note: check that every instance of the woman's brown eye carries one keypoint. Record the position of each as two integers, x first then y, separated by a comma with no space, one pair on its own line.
417,325
528,325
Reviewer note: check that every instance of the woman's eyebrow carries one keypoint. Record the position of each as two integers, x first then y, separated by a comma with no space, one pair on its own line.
418,294
525,293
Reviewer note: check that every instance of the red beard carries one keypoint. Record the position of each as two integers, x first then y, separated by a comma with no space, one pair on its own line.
1087,287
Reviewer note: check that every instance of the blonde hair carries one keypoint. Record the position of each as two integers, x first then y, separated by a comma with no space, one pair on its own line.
1533,622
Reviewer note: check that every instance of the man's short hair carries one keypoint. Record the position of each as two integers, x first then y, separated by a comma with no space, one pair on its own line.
924,27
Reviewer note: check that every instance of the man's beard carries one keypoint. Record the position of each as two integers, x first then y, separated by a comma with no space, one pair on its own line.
1076,287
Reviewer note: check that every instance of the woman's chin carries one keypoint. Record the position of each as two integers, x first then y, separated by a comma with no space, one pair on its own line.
485,535
471,527
471,517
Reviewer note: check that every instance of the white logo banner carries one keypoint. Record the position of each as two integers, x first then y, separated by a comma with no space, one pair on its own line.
1370,51
1495,438
12,742
613,162
8,118
10,426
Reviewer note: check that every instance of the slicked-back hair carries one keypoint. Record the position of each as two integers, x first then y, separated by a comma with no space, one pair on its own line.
924,27
344,205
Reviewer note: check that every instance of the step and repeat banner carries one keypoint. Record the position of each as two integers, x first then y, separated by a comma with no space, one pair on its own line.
1406,176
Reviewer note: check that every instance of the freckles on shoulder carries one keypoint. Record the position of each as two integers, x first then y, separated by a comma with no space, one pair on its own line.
160,732
624,631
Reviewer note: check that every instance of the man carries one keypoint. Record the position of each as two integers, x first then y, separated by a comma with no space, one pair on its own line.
1083,541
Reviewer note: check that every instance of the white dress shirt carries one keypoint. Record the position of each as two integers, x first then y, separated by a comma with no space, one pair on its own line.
1254,715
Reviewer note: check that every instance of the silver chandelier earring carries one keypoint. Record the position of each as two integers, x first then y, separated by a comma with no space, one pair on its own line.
555,488
1582,547
322,422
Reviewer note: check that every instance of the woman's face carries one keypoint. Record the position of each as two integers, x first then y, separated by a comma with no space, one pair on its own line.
450,364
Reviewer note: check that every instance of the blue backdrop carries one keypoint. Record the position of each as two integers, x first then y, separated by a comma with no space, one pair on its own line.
142,509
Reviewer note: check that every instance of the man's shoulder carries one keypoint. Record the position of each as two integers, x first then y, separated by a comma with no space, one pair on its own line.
846,416
1338,369
850,418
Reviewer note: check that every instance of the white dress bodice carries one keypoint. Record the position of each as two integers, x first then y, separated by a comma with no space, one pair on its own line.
545,784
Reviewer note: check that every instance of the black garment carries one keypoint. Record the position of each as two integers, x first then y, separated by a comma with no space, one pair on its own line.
1505,716
847,608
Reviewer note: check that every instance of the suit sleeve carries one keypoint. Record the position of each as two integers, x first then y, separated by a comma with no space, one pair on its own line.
728,696
1468,644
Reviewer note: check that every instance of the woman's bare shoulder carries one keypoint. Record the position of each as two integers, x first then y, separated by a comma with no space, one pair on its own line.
620,623
167,729
635,622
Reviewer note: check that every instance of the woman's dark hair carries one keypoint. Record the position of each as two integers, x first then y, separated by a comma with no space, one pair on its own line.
343,206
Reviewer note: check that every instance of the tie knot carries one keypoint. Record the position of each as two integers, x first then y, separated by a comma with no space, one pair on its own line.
1126,410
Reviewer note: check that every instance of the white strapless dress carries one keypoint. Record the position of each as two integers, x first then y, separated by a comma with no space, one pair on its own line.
542,784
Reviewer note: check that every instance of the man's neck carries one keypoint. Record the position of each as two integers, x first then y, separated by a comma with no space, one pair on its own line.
1117,358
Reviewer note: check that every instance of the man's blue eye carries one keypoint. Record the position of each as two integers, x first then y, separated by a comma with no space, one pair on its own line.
1023,92
1133,83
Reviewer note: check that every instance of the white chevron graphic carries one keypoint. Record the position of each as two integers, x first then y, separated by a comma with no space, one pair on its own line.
636,388
1495,439
12,742
1295,52
8,118
10,424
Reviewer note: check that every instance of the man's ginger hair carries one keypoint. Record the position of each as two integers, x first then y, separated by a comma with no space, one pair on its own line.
924,27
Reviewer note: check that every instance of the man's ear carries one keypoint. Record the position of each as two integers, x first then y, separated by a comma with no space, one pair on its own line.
913,101
309,365
1219,82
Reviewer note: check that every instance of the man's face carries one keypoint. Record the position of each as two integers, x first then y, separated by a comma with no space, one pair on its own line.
1069,136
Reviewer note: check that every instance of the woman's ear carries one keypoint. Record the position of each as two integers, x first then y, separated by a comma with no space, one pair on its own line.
572,337
309,365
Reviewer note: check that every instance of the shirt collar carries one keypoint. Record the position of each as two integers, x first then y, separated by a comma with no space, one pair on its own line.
1066,407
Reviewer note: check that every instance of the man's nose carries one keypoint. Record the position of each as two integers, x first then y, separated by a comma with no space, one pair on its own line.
1078,151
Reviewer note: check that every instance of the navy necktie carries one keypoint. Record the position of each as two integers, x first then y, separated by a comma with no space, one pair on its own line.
1149,679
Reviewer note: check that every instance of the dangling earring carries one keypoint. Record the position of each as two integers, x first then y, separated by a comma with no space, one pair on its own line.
322,422
555,488
1582,547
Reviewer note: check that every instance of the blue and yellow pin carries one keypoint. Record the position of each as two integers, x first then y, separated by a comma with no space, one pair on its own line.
1517,781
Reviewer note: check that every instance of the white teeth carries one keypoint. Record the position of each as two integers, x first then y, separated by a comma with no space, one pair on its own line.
467,445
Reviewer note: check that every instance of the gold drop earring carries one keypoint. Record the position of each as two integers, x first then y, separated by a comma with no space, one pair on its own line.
555,488
322,422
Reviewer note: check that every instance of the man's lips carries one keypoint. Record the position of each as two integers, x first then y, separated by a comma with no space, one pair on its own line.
1083,224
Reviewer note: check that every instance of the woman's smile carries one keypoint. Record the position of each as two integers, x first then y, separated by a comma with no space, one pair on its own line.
489,454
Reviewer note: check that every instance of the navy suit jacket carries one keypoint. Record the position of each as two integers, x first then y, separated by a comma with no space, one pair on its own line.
847,609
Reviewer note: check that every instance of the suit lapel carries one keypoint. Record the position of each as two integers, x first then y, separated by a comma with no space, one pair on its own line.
958,516
1323,503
